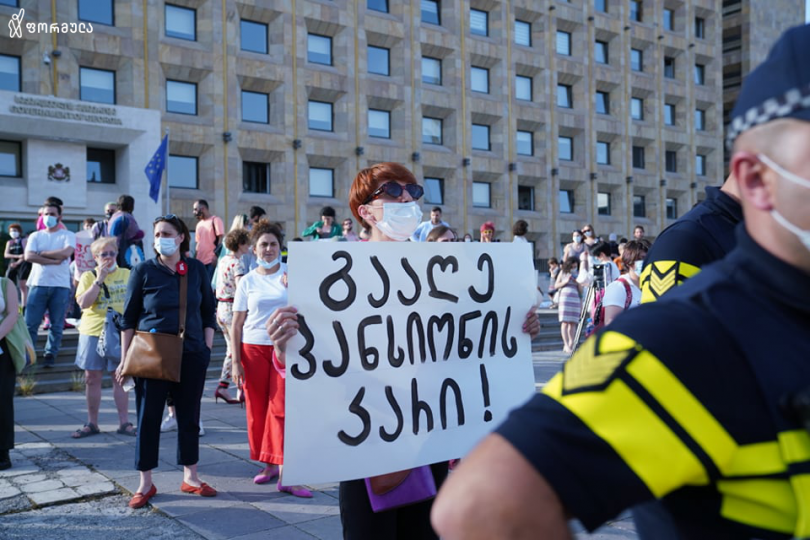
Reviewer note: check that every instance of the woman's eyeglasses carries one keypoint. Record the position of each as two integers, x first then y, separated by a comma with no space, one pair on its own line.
394,189
105,254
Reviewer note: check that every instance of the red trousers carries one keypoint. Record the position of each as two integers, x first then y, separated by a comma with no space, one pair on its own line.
264,397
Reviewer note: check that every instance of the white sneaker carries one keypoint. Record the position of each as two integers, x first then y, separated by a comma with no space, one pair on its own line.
202,429
169,424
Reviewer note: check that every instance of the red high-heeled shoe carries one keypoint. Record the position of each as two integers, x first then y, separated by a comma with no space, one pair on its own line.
218,393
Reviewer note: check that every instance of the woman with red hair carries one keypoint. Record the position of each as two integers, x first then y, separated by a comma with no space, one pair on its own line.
383,199
487,231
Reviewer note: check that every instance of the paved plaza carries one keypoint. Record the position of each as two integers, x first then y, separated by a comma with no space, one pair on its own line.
61,487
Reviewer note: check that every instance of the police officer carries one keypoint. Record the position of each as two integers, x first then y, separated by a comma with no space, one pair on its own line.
689,400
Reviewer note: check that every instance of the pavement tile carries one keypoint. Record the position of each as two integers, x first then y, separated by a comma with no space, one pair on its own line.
240,520
176,503
25,479
328,528
296,510
44,485
8,491
18,468
282,533
53,496
83,479
96,488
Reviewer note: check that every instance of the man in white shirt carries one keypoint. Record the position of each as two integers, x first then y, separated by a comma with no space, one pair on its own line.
424,228
49,253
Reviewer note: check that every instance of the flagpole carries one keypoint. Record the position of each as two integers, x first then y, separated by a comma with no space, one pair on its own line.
166,172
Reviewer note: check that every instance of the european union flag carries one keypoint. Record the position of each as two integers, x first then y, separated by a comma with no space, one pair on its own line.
154,170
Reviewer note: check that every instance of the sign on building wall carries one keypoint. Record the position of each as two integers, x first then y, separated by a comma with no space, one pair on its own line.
408,353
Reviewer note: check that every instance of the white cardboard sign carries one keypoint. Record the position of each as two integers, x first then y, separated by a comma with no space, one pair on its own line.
84,257
408,353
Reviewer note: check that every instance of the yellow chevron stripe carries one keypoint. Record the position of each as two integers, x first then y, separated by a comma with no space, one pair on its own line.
764,503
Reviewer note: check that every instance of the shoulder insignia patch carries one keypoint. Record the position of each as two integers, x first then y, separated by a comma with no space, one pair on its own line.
594,365
661,276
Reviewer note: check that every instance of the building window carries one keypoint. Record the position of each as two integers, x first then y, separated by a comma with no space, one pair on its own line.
432,130
700,28
638,157
700,120
320,115
434,190
431,70
430,12
700,74
523,33
672,208
669,114
379,124
479,80
636,12
482,194
565,148
637,108
10,158
671,161
479,22
669,19
563,43
253,36
603,203
255,177
321,182
526,198
564,96
639,206
603,153
101,165
700,165
669,67
566,201
255,107
377,5
94,11
181,22
601,52
183,172
378,60
181,97
600,5
602,102
636,60
97,85
319,49
10,73
523,88
525,143
480,137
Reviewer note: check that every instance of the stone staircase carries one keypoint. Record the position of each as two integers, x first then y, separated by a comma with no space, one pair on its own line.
64,375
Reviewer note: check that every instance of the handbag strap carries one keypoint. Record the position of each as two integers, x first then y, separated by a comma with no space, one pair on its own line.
183,298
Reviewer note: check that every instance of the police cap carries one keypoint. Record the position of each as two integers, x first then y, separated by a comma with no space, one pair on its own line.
778,88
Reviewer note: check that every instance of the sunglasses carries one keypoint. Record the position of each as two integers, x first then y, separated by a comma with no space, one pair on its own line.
167,217
394,189
105,254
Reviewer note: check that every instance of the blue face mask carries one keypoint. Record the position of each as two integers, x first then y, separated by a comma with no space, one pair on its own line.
50,221
268,265
638,267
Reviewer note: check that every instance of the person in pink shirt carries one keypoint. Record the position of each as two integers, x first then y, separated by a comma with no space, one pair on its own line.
208,235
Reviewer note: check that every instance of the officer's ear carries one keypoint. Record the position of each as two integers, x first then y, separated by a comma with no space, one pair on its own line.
755,180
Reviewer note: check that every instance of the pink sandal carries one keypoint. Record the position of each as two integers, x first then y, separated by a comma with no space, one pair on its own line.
266,474
296,491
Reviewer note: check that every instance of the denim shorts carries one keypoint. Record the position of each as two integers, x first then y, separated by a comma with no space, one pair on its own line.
88,358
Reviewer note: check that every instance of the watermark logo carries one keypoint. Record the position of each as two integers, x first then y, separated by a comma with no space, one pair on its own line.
15,27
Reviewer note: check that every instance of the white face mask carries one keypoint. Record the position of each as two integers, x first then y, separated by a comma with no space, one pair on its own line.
50,221
399,220
577,239
468,239
588,233
14,234
268,265
801,234
166,246
638,266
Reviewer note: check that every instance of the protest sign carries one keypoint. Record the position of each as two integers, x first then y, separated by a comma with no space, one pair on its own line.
407,353
84,257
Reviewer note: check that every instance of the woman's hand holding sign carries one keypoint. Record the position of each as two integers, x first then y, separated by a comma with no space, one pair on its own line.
281,326
531,325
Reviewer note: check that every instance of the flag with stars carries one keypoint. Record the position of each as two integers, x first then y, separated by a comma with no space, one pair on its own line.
154,170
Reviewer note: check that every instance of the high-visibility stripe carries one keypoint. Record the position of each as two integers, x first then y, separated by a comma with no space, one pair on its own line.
756,459
636,433
801,489
795,445
767,504
684,407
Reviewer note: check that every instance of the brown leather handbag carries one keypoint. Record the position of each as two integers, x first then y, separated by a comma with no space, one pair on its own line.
152,355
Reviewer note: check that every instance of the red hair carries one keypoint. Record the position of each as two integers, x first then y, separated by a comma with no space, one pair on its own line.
487,226
371,178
